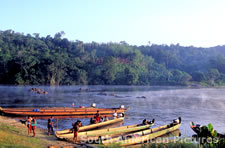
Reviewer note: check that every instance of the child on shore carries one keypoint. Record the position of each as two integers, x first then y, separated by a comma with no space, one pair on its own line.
28,123
33,125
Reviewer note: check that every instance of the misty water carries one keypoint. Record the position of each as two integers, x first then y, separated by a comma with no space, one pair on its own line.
201,105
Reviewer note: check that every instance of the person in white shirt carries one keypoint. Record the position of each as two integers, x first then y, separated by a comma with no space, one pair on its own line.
115,114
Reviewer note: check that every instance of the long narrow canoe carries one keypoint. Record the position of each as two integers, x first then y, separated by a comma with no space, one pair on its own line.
59,111
145,135
91,126
196,128
107,132
61,117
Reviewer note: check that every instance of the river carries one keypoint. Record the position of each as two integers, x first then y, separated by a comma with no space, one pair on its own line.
201,105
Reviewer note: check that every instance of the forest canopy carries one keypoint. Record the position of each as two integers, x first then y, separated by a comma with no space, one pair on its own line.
34,60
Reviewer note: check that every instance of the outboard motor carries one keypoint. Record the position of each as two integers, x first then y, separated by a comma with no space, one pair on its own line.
151,122
121,115
145,122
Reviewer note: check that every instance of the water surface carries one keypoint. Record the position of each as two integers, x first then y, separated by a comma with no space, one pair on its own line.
201,105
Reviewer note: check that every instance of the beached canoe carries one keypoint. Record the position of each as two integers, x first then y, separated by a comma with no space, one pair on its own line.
107,132
145,135
171,137
59,111
196,128
91,126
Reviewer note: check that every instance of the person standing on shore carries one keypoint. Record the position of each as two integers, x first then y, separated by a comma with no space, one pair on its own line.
76,127
33,125
50,126
28,123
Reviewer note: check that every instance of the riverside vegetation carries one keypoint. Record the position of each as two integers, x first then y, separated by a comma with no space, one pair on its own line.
34,60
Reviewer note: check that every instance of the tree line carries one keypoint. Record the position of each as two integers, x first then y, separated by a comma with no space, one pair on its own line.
34,60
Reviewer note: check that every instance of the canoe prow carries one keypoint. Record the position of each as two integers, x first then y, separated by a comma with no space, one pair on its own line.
192,124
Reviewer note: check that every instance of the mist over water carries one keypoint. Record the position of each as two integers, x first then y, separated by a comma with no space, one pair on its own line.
201,105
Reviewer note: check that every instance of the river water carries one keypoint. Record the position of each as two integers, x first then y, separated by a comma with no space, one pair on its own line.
201,105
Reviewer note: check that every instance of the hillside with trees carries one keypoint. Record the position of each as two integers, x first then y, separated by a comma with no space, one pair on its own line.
34,60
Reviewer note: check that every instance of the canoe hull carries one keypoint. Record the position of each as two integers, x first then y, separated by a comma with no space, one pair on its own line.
91,126
107,132
143,136
60,111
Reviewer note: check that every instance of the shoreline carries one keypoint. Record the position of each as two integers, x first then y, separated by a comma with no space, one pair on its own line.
41,134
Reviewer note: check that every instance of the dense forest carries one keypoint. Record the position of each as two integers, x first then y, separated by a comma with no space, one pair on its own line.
34,60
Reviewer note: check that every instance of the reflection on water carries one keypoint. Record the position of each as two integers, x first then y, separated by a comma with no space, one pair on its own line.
205,105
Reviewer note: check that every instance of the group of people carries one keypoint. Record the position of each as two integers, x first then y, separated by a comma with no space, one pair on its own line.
31,125
98,118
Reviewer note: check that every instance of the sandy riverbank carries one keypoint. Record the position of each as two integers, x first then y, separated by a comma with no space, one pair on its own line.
41,135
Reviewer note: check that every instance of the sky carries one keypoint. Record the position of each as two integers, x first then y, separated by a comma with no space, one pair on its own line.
200,23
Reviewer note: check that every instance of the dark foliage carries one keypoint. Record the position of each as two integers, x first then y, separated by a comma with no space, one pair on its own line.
34,60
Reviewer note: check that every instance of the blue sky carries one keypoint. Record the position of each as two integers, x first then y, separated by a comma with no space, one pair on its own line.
187,22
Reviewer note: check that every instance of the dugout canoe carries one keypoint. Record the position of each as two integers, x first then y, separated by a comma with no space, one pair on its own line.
62,117
196,128
171,137
107,132
91,126
145,135
59,111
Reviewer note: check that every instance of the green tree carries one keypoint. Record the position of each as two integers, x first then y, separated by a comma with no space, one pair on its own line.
212,75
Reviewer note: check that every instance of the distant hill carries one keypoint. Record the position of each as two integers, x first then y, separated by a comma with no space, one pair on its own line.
34,60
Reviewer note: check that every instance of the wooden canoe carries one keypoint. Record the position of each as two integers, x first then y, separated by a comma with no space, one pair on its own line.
61,117
167,138
143,136
59,111
196,128
91,126
107,132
